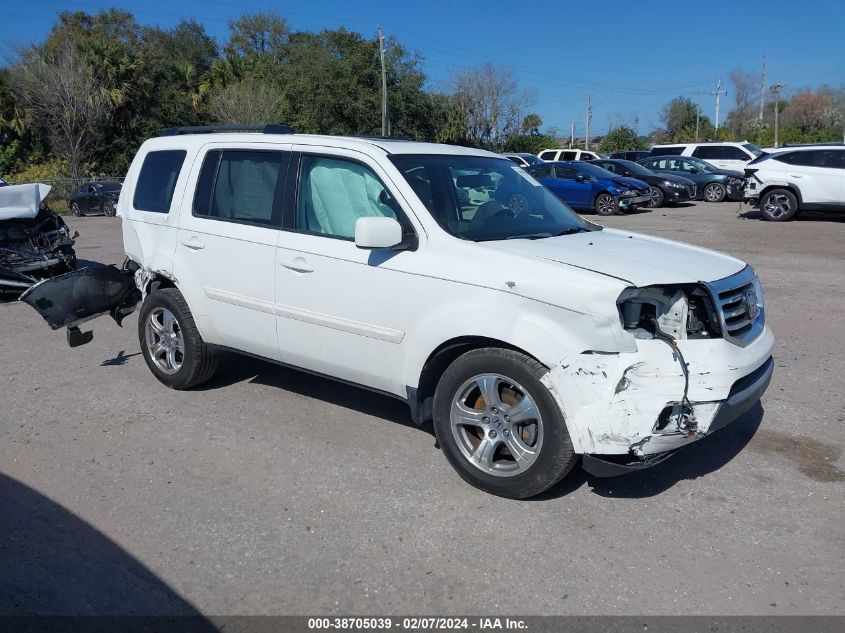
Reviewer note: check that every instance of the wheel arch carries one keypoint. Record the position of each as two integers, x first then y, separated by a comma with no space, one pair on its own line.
788,186
420,398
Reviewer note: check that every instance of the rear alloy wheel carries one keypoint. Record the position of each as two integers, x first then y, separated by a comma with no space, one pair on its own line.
656,197
779,205
714,192
74,209
606,204
171,343
499,425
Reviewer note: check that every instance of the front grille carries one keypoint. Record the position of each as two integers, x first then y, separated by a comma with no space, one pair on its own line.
739,304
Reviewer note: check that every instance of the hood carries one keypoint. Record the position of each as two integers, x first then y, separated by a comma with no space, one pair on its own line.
640,260
630,183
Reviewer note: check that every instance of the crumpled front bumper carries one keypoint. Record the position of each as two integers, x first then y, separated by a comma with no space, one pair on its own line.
612,403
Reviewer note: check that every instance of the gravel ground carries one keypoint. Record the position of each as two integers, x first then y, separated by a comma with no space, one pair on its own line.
273,492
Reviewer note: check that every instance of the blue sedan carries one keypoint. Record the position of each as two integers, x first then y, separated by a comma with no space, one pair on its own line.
582,185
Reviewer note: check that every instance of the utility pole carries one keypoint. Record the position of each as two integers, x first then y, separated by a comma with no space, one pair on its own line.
719,92
697,114
572,136
762,91
589,118
385,124
775,89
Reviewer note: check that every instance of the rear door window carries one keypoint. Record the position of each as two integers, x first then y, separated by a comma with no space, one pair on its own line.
709,152
568,155
157,180
729,152
242,186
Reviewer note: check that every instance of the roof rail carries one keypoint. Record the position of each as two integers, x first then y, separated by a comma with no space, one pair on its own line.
827,144
209,129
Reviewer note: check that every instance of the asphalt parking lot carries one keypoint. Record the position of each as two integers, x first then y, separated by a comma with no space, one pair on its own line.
269,491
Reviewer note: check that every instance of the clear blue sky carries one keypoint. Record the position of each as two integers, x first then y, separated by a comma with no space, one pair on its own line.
633,56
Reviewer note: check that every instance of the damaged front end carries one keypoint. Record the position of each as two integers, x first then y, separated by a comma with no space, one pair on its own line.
71,299
35,243
704,356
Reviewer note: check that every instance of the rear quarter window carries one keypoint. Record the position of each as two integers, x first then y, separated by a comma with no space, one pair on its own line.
157,180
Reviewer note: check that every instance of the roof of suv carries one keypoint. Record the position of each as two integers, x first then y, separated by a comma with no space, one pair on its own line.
737,143
388,145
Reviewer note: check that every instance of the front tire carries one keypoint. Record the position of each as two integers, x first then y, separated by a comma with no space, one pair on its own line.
779,205
714,192
170,342
499,425
606,204
74,209
657,197
108,209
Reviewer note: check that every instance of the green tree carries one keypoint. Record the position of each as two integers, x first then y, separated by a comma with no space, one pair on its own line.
257,34
531,124
621,139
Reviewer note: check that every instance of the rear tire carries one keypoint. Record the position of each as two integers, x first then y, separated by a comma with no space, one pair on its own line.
171,343
779,205
606,204
517,445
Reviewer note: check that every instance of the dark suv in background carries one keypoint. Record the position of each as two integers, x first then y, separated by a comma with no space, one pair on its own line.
665,188
713,184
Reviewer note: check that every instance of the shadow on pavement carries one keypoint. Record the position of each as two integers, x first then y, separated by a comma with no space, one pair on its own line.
52,563
234,368
817,216
697,460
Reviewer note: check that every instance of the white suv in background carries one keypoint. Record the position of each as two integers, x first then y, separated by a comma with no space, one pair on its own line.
529,335
808,178
724,155
550,155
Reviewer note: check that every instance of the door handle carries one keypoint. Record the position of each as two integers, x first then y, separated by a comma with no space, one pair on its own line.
298,264
795,176
193,243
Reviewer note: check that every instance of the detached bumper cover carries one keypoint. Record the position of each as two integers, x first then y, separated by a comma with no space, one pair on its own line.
745,393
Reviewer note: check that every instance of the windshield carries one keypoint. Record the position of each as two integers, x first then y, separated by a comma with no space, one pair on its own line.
753,149
595,171
480,198
702,164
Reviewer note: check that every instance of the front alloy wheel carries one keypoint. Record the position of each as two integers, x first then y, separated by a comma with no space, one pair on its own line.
606,204
74,209
496,425
499,426
714,192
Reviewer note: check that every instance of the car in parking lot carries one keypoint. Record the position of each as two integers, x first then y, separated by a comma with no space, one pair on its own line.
552,155
523,159
720,154
95,197
665,188
712,184
633,155
529,337
586,186
810,178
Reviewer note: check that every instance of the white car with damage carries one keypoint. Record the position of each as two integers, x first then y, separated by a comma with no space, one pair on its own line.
530,336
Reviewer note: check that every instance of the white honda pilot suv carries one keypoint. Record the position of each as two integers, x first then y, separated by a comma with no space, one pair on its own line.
444,276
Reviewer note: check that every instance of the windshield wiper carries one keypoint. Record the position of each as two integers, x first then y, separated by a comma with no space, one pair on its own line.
575,229
529,236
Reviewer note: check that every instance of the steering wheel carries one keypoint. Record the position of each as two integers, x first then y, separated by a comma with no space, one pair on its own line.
488,210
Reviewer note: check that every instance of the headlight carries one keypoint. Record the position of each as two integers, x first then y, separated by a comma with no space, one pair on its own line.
644,309
675,185
627,192
734,181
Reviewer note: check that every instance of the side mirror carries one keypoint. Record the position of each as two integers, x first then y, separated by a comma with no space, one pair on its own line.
693,170
377,233
579,178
